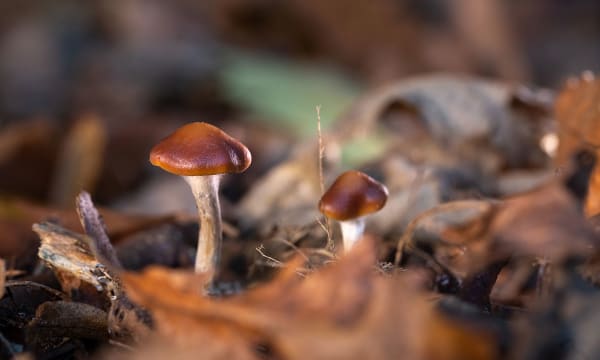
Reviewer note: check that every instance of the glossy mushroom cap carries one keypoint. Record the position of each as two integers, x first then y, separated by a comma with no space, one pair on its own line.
199,149
352,195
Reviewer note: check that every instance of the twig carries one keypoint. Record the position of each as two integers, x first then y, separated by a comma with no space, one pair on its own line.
295,248
323,252
321,149
273,261
327,226
543,280
94,227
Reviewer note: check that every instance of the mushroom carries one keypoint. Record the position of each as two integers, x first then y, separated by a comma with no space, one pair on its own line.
201,153
351,197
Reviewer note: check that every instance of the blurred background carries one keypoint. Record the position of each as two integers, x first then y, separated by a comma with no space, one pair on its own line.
86,88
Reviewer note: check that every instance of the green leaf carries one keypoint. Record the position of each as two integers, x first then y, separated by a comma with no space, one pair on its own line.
364,149
285,93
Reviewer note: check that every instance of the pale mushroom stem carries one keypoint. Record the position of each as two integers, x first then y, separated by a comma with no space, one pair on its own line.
206,193
352,231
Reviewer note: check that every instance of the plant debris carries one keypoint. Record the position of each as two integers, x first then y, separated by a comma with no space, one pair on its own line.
477,132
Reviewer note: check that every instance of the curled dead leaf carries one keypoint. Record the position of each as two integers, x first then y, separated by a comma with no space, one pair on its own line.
473,240
578,116
459,114
342,311
545,223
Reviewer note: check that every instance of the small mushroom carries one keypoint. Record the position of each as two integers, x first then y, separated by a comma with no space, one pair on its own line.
201,153
351,197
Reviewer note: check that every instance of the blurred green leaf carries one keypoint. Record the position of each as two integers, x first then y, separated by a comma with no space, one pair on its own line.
363,149
285,93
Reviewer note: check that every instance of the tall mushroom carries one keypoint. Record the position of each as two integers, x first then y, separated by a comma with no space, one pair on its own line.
351,197
201,153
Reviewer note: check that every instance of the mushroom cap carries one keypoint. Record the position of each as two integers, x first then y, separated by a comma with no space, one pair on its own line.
353,194
199,149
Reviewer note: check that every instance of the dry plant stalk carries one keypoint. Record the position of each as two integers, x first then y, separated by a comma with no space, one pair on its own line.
326,225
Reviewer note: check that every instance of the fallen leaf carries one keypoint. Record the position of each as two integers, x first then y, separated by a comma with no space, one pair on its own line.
21,299
448,339
430,230
473,240
445,117
70,254
27,153
578,116
545,223
73,261
79,161
17,216
58,319
342,311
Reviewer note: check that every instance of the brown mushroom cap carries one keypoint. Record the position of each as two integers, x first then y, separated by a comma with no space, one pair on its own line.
352,195
199,149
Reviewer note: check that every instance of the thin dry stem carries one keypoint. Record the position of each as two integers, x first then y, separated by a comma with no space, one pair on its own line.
325,227
295,248
330,245
543,278
273,262
321,149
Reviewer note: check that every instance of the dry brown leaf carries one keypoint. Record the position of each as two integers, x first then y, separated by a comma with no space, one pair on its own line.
20,301
79,160
447,339
159,348
447,229
592,202
544,223
27,155
17,217
71,257
284,315
466,118
57,319
467,236
474,240
343,311
577,112
578,115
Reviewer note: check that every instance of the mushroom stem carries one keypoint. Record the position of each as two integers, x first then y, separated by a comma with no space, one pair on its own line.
206,193
352,231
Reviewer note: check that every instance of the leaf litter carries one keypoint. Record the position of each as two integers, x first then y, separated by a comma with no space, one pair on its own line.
483,254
